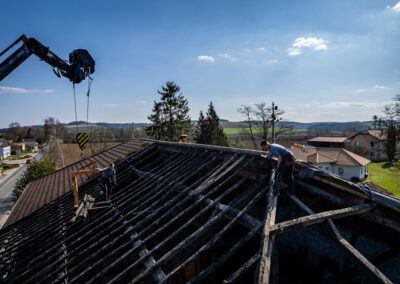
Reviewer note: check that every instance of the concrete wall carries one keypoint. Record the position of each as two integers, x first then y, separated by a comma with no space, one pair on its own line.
5,152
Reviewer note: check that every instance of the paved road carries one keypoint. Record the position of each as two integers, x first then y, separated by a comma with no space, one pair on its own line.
6,190
7,186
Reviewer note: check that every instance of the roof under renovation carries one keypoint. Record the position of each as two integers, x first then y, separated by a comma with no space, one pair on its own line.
47,189
204,214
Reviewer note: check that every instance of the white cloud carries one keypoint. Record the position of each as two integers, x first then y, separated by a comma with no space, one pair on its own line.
379,87
395,8
110,105
294,51
229,57
206,58
261,49
4,90
343,105
142,102
273,61
311,42
359,90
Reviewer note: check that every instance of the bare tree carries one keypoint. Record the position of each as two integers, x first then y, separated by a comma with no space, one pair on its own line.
49,127
259,121
263,114
283,126
60,130
99,140
247,111
14,132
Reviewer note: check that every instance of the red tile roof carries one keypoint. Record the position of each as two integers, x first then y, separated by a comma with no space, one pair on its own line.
328,139
47,189
373,132
339,156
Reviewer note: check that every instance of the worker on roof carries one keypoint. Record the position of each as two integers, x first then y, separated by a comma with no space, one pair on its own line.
109,179
285,165
183,138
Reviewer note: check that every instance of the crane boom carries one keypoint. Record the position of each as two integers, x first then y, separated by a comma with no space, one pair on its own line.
81,64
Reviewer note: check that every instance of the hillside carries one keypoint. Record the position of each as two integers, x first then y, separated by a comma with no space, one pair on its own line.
340,126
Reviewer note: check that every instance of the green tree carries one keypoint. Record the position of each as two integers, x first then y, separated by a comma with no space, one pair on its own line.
392,129
34,171
209,130
170,117
390,140
201,135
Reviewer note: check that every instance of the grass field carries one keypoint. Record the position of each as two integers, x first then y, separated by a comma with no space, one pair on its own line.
72,153
231,131
386,176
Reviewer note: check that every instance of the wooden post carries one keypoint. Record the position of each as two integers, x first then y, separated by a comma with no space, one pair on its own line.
76,198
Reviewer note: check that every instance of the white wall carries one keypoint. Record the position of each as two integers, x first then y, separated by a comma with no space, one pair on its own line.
347,171
5,152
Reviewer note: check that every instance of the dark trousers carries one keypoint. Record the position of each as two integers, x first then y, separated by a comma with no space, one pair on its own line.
107,184
285,172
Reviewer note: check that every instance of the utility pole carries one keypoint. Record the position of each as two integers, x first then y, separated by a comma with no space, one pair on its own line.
132,135
274,108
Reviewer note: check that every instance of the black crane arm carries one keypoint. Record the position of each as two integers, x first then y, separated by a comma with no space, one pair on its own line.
81,64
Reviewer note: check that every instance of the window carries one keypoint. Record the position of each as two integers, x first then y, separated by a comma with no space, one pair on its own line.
340,171
356,143
372,154
372,144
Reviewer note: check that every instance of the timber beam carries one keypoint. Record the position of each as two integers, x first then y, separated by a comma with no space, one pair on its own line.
320,217
362,262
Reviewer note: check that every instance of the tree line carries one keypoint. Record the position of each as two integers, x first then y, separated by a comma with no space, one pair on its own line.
170,119
390,128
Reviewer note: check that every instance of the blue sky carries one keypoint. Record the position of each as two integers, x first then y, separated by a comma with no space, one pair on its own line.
319,60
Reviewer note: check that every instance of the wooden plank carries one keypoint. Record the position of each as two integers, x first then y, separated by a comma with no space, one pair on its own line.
181,249
242,270
158,274
320,217
226,256
77,212
359,259
213,178
363,263
215,238
376,217
264,268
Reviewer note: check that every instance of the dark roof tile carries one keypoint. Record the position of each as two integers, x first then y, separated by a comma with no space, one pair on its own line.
47,189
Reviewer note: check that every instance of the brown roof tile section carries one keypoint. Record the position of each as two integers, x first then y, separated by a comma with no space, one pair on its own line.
379,134
339,156
49,188
328,139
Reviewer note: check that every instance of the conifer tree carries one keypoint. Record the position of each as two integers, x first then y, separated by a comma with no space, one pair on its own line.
200,135
209,130
170,116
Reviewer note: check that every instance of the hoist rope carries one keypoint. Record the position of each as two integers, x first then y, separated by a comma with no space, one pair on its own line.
88,94
76,115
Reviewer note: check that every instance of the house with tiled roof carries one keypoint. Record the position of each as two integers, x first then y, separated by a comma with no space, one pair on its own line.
334,142
368,143
342,162
189,213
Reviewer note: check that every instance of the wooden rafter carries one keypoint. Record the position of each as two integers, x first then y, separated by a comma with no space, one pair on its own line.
320,217
264,267
363,263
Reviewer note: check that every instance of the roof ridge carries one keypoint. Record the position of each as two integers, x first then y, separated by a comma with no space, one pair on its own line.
350,154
